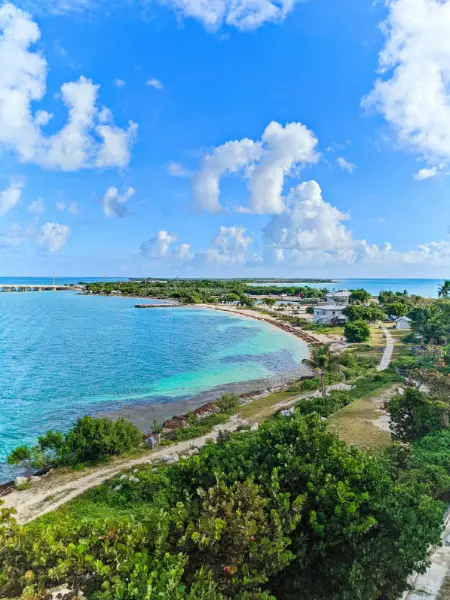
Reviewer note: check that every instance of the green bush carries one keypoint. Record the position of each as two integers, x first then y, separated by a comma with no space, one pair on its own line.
91,440
414,415
356,331
287,511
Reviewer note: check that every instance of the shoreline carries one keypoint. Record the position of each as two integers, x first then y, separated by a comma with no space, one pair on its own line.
143,415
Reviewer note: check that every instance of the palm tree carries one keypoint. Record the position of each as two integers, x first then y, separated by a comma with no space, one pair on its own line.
322,361
444,289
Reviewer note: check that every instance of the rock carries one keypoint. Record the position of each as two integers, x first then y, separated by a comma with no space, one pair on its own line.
35,478
117,488
289,412
21,481
134,479
123,477
254,427
135,470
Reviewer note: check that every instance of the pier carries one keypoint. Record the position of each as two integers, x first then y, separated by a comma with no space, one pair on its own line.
20,287
158,305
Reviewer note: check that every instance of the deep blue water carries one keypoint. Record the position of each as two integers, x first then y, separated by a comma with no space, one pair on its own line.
64,355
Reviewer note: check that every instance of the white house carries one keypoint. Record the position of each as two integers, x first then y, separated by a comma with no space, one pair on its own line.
403,323
329,314
339,297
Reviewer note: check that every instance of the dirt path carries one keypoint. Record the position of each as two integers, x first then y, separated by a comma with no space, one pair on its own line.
386,358
59,487
50,492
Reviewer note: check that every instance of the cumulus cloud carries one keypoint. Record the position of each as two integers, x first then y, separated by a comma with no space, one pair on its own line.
10,197
114,204
242,14
345,165
37,206
232,240
158,246
119,82
85,141
182,254
52,237
14,237
176,169
429,173
412,92
279,154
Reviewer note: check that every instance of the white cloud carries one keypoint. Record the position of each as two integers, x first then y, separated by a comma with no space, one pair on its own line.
279,154
119,82
242,14
309,223
61,206
153,82
228,158
114,204
37,206
429,173
176,169
182,254
345,165
413,92
158,246
232,240
10,197
84,141
52,237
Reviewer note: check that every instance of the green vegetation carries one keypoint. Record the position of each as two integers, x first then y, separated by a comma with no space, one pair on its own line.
323,361
359,296
356,331
90,441
415,414
363,312
287,511
195,291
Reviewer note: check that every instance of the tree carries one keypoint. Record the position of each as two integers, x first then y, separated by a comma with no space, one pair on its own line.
413,415
444,289
397,309
323,361
356,332
270,302
362,312
359,296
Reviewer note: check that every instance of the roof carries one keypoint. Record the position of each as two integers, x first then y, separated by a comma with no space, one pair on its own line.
329,307
404,319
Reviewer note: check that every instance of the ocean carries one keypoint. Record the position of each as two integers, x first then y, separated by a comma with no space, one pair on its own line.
421,287
65,355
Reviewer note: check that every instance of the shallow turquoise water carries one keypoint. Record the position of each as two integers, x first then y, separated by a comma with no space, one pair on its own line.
64,355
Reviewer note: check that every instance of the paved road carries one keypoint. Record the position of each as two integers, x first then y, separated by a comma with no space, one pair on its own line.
386,359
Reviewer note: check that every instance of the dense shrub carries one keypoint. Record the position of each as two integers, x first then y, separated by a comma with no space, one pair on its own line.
288,510
359,296
356,331
91,440
413,415
363,312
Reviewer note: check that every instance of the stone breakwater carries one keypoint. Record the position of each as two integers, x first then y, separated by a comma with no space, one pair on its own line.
158,305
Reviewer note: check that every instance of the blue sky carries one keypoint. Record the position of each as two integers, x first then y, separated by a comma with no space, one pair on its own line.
225,138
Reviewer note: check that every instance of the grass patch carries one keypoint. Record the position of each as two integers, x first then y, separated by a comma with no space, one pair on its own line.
444,592
259,410
353,422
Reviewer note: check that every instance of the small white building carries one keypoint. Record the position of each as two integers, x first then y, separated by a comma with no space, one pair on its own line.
403,323
339,297
329,314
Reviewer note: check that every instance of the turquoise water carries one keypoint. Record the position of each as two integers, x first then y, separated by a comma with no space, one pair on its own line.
422,287
66,355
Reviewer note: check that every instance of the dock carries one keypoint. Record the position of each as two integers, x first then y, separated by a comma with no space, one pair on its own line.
20,287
